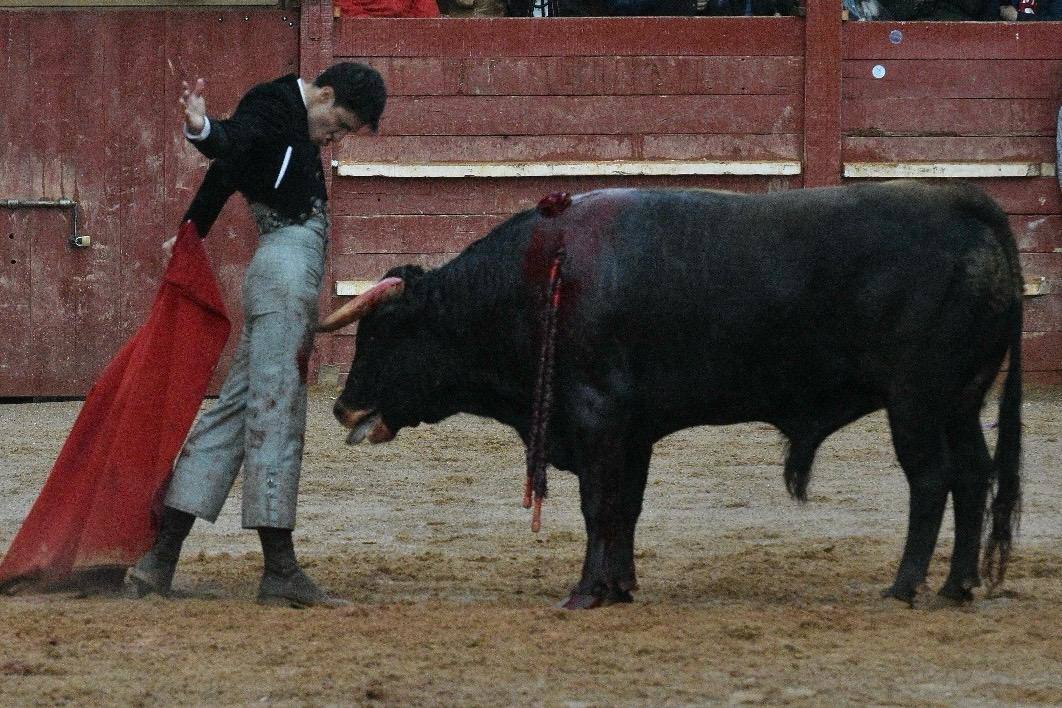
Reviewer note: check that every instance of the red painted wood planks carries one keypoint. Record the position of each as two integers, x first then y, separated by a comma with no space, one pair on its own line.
569,148
950,78
1039,195
1038,234
18,371
944,116
953,40
1041,351
588,75
822,96
950,149
591,115
110,140
515,37
376,196
372,266
410,233
1043,313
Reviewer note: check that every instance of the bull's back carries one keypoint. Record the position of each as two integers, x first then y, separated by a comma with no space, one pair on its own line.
737,294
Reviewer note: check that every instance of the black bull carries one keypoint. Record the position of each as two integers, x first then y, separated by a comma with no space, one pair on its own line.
804,309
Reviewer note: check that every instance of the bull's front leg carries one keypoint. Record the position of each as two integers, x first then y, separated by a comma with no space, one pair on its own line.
611,488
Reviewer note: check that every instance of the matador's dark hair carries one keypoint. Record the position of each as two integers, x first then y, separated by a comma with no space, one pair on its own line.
358,88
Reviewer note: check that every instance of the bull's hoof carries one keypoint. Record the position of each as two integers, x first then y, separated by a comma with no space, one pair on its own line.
589,601
580,601
905,592
956,593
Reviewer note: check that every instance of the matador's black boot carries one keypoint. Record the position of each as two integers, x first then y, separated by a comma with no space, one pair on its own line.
154,572
283,582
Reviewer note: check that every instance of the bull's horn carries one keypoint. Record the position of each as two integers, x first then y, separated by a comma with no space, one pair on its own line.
362,305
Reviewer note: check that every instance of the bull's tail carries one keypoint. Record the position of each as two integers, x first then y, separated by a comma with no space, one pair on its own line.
1005,506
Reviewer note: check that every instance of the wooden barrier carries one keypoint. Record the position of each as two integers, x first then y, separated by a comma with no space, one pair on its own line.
486,115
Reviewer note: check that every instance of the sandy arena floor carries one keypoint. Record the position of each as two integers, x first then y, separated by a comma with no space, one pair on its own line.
745,596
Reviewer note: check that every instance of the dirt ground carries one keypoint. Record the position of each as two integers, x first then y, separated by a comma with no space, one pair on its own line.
746,597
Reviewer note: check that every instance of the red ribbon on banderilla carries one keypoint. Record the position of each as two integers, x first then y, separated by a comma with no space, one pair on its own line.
550,207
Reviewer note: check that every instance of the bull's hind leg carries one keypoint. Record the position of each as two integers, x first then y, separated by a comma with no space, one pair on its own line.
918,436
611,488
970,483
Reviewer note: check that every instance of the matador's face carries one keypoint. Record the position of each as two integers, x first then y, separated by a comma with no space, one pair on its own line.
329,123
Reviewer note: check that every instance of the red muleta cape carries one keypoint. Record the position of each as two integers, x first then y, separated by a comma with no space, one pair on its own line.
98,511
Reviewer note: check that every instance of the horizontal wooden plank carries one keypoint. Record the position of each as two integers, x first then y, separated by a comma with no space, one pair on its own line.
948,116
564,169
591,115
373,196
723,147
1043,314
569,148
499,148
1042,379
1047,265
949,78
908,170
952,40
1034,286
1031,195
588,75
949,149
560,36
1041,351
412,234
1036,195
348,288
365,266
1038,234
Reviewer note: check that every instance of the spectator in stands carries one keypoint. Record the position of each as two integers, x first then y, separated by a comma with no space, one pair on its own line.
1025,10
385,8
472,8
749,7
555,8
645,8
924,9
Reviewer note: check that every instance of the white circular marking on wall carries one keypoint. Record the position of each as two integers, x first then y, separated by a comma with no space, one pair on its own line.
878,72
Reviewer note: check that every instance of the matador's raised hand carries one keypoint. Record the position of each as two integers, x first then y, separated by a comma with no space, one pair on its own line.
194,106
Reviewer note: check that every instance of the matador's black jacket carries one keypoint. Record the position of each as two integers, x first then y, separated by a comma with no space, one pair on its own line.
264,152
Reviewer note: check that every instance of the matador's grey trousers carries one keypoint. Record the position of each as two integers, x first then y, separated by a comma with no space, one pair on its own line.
259,419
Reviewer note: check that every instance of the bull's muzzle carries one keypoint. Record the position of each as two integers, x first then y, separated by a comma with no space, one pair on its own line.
363,425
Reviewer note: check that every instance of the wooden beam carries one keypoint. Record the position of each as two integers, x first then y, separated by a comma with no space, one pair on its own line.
917,170
822,93
565,169
348,288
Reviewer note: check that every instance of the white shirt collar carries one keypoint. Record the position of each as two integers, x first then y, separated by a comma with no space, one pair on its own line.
302,92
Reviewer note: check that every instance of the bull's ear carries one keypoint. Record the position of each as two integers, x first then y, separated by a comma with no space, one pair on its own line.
363,304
